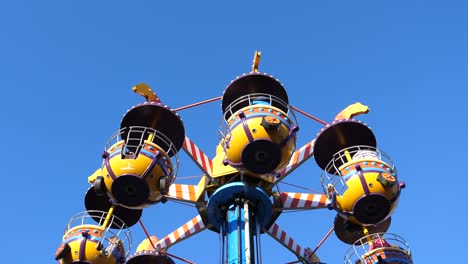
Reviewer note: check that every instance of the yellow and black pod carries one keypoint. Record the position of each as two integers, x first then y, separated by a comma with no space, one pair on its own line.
88,243
360,179
259,129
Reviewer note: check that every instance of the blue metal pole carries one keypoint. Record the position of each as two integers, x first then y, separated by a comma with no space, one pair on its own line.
235,234
239,212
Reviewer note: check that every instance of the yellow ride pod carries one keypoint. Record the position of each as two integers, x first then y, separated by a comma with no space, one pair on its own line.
258,132
379,248
136,172
84,242
146,254
360,179
368,189
140,161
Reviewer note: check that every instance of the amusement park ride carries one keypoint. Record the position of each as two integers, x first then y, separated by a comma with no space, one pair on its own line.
236,196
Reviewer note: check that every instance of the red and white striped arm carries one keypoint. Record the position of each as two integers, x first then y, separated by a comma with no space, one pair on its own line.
298,157
187,230
202,160
284,239
183,192
303,201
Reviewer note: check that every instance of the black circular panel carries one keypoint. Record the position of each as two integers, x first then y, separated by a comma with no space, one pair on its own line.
371,209
339,135
261,156
251,83
130,190
158,117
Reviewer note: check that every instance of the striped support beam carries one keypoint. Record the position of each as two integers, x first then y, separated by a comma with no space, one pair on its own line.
297,201
298,157
184,192
187,230
282,237
202,161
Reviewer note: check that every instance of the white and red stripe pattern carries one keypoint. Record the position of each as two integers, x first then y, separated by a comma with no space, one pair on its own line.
184,192
187,230
281,236
298,157
297,201
203,162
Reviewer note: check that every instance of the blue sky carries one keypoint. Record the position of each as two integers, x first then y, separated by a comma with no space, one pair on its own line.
67,68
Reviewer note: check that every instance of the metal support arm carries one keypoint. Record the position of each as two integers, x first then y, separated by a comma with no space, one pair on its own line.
187,230
303,254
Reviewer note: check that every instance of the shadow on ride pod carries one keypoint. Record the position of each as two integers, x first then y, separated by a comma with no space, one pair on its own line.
379,248
349,232
145,254
86,242
139,162
100,202
258,132
359,179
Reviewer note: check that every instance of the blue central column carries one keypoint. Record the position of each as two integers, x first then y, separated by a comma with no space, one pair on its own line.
235,233
239,212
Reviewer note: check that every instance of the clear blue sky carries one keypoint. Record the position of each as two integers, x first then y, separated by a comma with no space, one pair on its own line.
67,68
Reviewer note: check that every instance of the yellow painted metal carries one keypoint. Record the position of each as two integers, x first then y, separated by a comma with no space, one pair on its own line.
239,140
219,169
352,110
91,254
256,61
136,166
366,233
146,244
201,187
108,217
348,156
223,173
354,189
150,137
93,251
93,176
144,90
